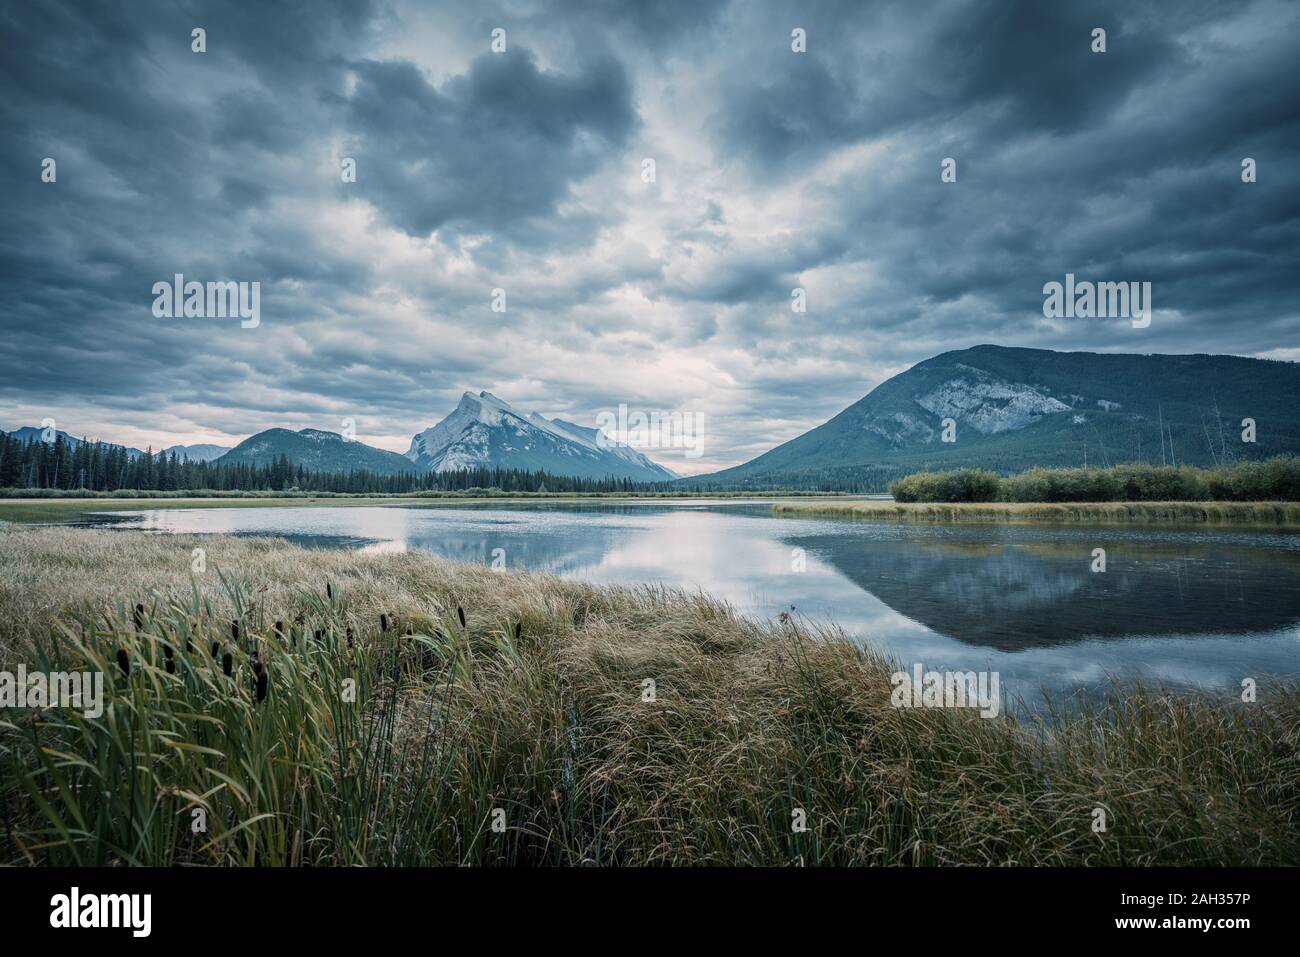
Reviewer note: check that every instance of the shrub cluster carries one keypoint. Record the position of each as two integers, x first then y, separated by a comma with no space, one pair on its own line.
965,485
1276,479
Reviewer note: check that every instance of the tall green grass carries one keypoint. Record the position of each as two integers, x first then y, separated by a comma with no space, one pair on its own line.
527,697
294,741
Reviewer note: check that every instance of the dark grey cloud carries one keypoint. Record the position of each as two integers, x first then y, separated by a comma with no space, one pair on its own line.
521,171
993,69
493,150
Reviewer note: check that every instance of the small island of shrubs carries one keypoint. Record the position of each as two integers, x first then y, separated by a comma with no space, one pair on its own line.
1271,480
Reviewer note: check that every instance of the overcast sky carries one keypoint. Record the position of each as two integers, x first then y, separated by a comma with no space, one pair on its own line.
523,171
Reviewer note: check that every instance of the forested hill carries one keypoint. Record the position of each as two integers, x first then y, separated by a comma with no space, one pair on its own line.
1012,409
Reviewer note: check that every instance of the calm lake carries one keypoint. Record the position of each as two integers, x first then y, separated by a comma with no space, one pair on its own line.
1181,607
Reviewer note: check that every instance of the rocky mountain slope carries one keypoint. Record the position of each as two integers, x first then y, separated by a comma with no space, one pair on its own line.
485,431
1013,408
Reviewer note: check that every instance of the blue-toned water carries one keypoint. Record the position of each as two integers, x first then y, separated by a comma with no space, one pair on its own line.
1183,607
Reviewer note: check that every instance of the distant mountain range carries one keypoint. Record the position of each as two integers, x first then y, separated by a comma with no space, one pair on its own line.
484,431
32,433
1006,409
481,432
1012,409
195,453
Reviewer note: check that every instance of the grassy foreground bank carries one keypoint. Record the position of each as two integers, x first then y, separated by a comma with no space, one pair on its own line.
485,698
1190,513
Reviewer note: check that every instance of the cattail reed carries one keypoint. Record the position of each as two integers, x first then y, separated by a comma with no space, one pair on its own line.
216,647
171,664
138,617
349,636
263,682
518,629
460,613
383,622
227,663
234,632
329,591
279,630
124,662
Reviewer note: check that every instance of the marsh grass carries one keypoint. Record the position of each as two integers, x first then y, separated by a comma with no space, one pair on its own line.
534,706
1188,513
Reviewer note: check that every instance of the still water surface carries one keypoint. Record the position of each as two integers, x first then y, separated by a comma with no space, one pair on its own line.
1182,607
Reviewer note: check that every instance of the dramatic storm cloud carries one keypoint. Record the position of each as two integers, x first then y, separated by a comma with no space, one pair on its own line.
524,171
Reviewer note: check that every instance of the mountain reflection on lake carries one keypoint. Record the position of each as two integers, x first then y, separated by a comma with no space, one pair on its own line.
1182,607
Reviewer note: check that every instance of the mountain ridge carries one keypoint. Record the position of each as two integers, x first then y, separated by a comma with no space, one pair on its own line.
1014,408
33,433
314,449
200,452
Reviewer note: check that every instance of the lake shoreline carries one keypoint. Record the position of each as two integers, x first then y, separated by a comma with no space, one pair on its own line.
828,506
69,508
1273,514
760,743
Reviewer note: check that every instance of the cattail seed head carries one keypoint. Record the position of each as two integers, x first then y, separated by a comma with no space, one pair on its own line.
518,628
329,591
279,629
216,646
139,616
460,613
349,635
171,665
263,682
124,662
227,663
234,631
383,622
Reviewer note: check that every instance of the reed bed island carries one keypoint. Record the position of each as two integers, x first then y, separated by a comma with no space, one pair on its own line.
1278,514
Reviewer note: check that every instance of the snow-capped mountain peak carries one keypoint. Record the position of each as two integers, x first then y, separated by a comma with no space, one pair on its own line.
485,431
